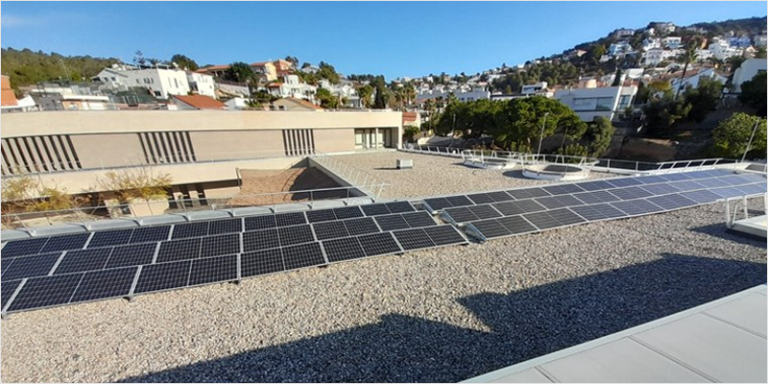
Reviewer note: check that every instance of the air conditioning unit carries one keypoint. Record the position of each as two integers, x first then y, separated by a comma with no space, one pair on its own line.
404,164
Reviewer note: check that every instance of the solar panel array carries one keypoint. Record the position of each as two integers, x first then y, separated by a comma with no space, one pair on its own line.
45,272
519,211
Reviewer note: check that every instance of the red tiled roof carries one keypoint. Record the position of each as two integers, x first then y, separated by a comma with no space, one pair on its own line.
200,102
305,103
260,64
213,68
275,85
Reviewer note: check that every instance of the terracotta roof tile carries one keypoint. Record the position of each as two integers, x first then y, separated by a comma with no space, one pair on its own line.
200,102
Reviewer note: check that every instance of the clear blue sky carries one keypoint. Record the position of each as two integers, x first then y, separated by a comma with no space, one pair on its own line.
394,39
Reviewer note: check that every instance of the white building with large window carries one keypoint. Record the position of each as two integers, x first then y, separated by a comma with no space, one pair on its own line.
161,82
590,103
291,86
201,84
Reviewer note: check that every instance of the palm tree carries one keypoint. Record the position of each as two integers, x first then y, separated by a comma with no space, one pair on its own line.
688,57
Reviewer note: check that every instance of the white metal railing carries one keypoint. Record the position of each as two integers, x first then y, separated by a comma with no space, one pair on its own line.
354,176
83,214
601,164
731,212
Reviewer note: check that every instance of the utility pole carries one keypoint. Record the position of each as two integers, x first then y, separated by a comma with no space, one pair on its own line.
750,141
541,137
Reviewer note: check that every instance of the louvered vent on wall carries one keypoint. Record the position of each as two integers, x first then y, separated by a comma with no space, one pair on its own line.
167,147
299,142
33,154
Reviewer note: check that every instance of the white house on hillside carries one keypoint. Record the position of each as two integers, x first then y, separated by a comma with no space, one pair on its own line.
590,103
161,82
292,87
202,84
747,71
692,77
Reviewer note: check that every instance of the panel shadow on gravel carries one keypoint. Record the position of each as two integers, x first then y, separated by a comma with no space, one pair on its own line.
523,325
721,230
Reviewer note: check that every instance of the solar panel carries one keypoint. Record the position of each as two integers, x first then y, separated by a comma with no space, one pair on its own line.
500,196
701,197
490,228
130,255
150,234
649,179
459,201
175,250
595,197
444,235
483,212
527,193
320,215
103,284
160,277
290,218
517,207
264,239
296,234
304,255
7,288
220,245
391,222
343,249
45,292
636,207
418,219
219,227
411,239
687,185
261,262
481,198
728,193
64,243
187,230
598,212
400,207
379,244
595,185
608,211
348,212
361,226
213,269
673,201
460,215
375,209
542,220
330,230
83,260
630,193
712,183
623,182
679,176
565,216
438,203
110,238
23,247
660,189
254,223
751,189
31,266
516,224
562,189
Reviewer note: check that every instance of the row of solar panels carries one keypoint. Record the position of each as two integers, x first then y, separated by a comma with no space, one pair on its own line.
544,219
75,287
197,229
616,197
656,184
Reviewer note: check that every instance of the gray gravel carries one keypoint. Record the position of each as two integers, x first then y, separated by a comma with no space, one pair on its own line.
436,175
439,315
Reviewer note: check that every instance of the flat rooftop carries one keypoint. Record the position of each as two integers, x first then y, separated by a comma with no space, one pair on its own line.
721,341
446,314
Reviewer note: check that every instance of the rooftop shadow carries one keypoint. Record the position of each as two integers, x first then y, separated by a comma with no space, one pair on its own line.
721,230
524,325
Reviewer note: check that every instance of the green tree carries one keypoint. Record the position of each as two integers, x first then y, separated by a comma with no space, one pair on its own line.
328,72
293,60
617,79
662,115
409,132
327,99
688,57
365,92
519,123
184,62
381,97
599,135
596,51
704,98
732,136
240,72
753,93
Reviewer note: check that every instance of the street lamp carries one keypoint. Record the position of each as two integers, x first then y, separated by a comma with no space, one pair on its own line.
541,137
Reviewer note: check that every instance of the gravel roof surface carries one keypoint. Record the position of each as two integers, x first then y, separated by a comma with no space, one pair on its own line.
438,315
436,175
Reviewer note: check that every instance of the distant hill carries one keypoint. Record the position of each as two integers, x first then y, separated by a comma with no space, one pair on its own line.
749,26
26,67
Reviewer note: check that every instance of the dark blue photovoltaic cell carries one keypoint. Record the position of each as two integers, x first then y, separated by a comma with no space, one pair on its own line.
302,256
128,255
30,266
187,230
660,189
594,185
419,219
500,196
751,189
459,201
361,226
219,227
257,240
150,234
637,207
213,269
23,247
460,214
491,228
45,292
348,212
411,239
220,245
65,243
261,262
481,198
379,244
623,182
444,235
7,288
175,250
83,260
596,197
254,223
296,234
330,230
510,208
728,193
375,209
110,238
517,224
527,193
291,218
438,203
391,222
701,197
343,249
400,207
673,201
320,215
107,283
562,189
159,277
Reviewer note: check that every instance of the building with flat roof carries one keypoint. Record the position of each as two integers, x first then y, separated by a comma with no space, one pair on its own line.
590,103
